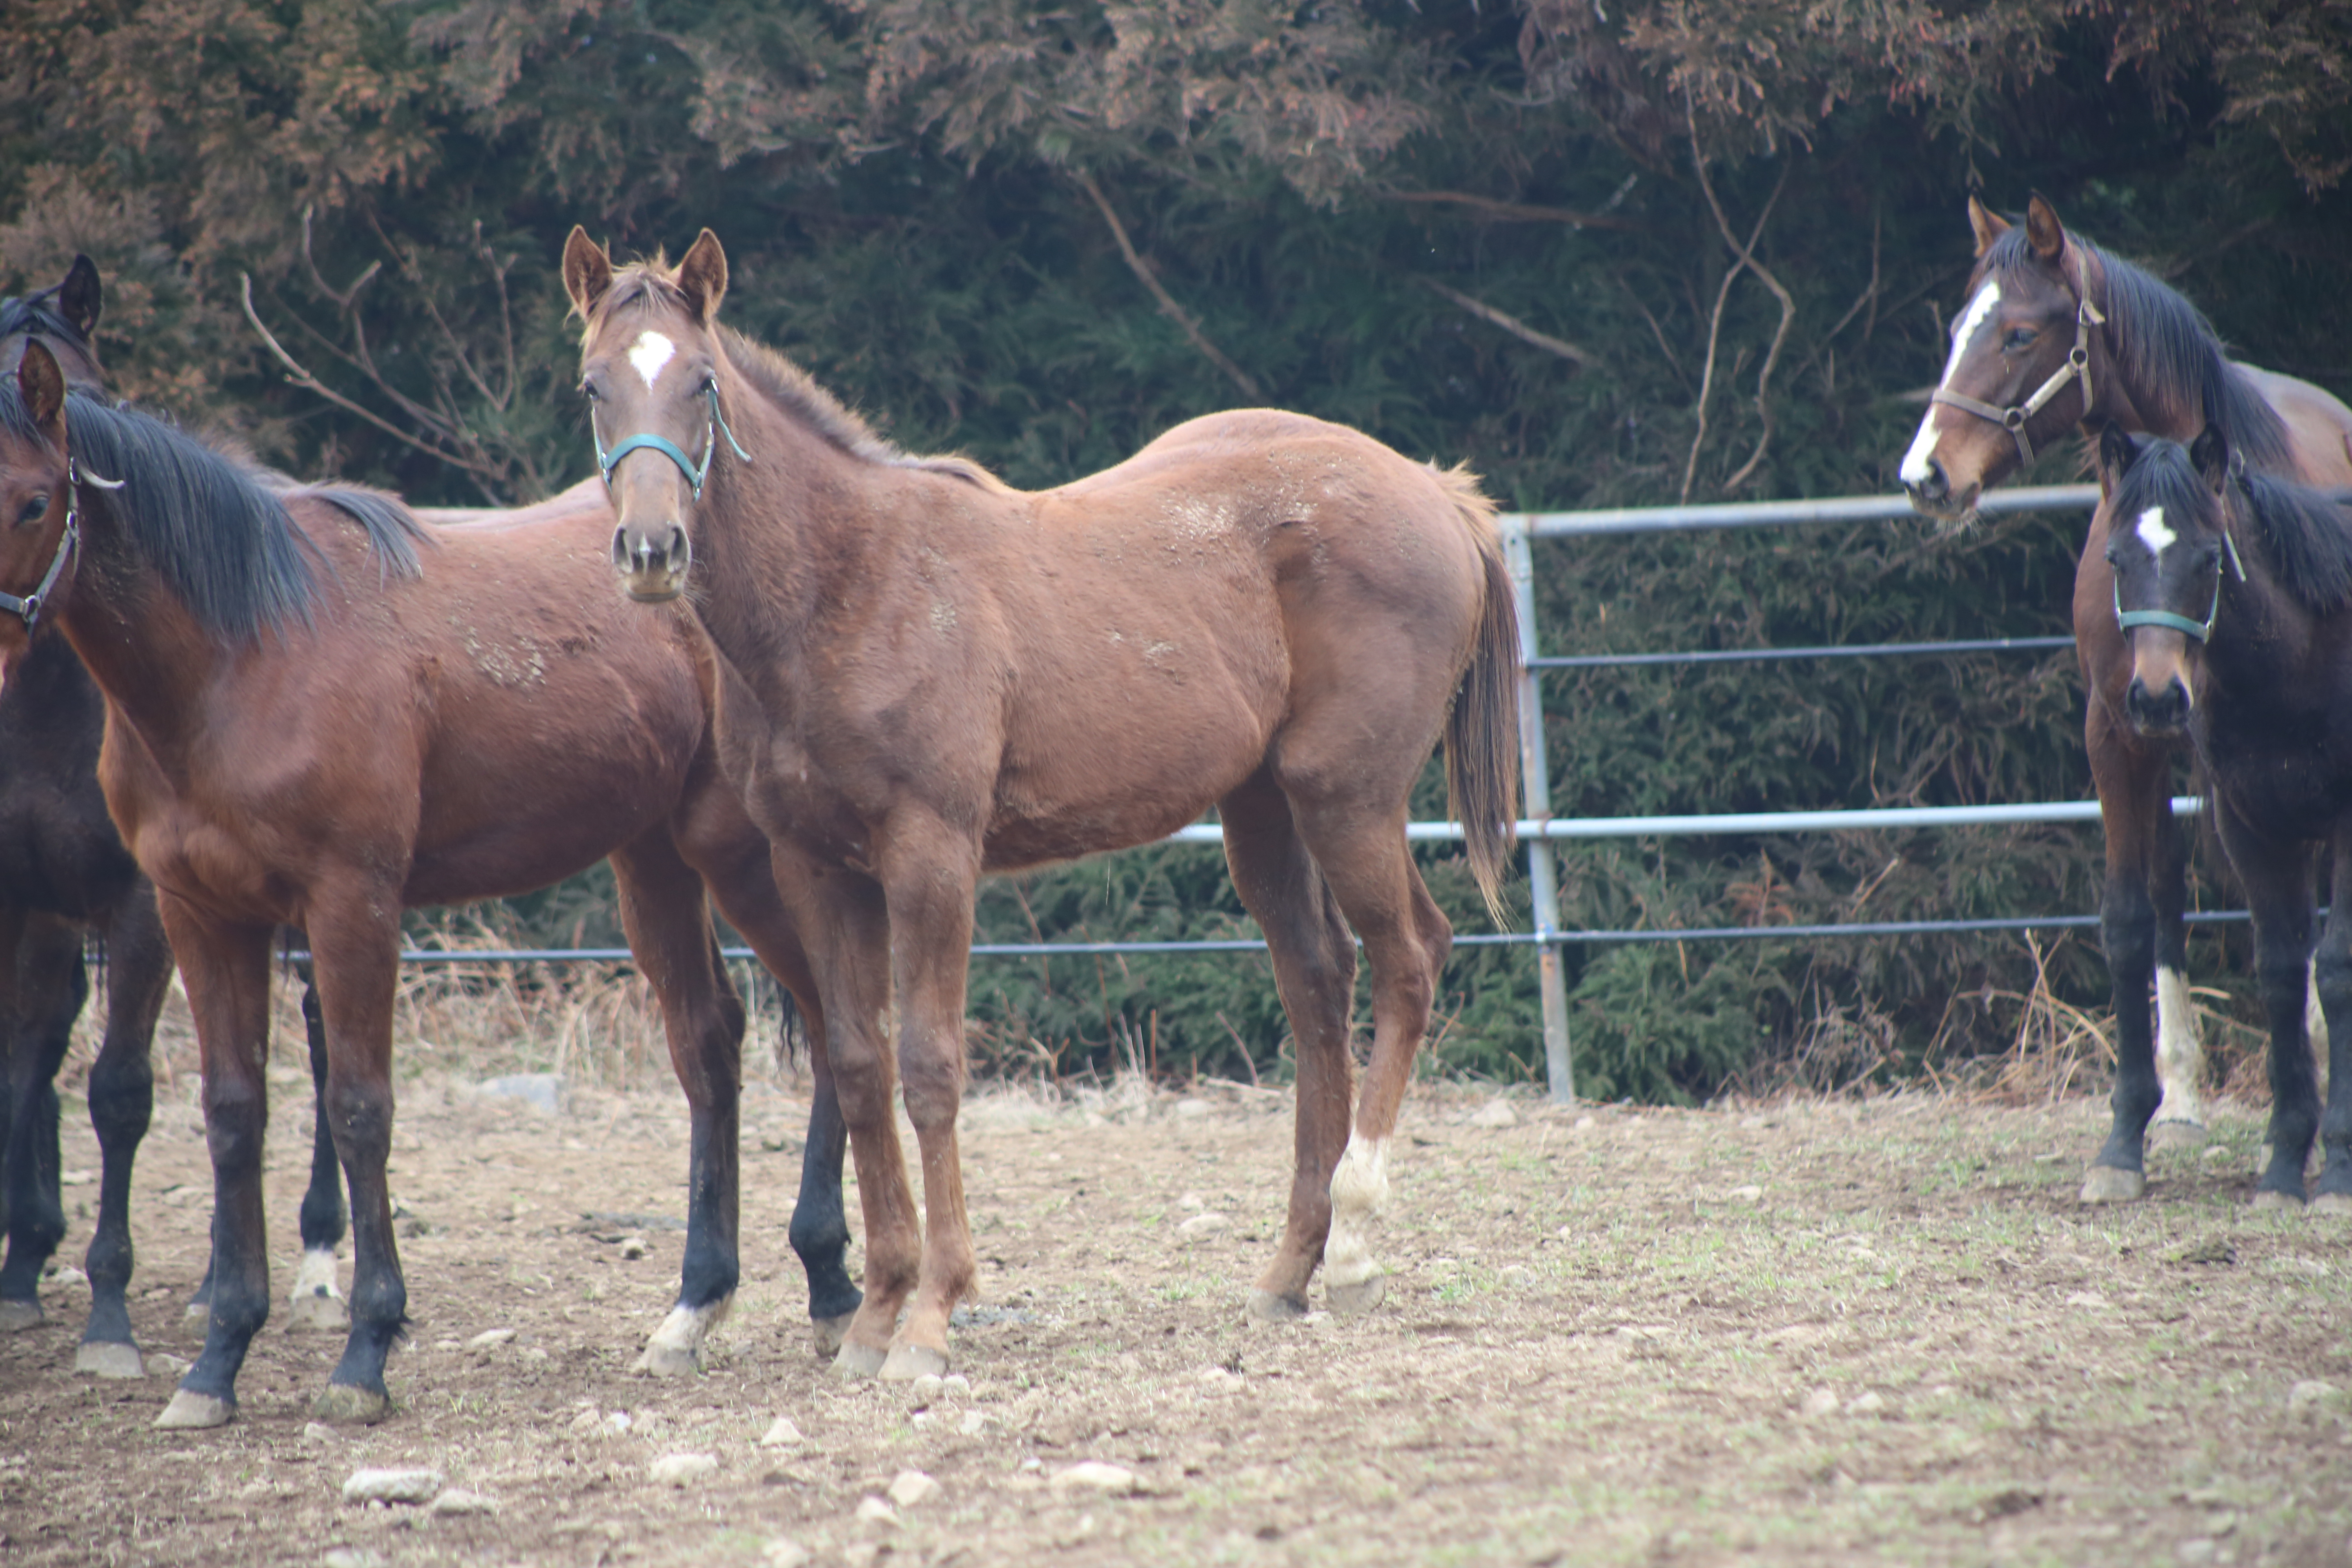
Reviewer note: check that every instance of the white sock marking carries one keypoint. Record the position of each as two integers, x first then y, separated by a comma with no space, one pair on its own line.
1358,1187
2180,1054
1914,469
316,1276
651,352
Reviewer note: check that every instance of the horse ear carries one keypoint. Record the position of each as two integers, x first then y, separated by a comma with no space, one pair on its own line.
42,386
1986,223
702,274
2118,452
80,296
2043,229
587,270
2211,453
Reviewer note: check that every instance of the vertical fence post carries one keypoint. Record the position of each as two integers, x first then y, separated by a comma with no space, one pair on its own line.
1535,781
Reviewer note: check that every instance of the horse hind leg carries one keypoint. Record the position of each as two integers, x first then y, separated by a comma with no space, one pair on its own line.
314,1305
50,985
1315,970
122,1104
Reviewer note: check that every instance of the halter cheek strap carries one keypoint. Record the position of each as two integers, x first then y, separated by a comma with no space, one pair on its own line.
606,461
27,607
2077,368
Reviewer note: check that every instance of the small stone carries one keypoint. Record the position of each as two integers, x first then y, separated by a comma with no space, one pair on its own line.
923,1420
66,1276
1747,1195
2310,1391
683,1469
457,1500
1219,1379
1582,1124
1191,1203
490,1339
633,1247
1188,1107
540,1090
975,1422
617,1423
784,1551
315,1432
874,1511
392,1486
926,1390
1821,1402
163,1363
912,1489
1518,1276
1867,1404
76,1178
782,1434
1094,1475
2089,1300
1496,1113
2215,1154
958,1384
351,1557
2197,1549
1202,1225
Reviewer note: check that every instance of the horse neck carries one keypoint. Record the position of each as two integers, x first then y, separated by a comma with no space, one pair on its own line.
2120,395
138,642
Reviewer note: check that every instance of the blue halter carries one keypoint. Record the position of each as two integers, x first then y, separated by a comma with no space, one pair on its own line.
694,472
28,608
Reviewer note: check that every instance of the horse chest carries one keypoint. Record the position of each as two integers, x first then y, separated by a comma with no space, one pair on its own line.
2293,780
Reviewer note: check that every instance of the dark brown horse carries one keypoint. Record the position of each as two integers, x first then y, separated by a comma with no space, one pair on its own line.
2233,593
2058,334
934,677
320,713
65,876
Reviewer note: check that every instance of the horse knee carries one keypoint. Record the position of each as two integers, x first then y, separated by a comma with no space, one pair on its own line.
934,1089
121,1096
361,1117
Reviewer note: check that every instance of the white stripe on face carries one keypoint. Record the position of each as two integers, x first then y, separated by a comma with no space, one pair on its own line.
2153,532
1914,469
652,352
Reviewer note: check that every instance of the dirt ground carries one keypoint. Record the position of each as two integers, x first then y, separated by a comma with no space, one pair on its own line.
1815,1333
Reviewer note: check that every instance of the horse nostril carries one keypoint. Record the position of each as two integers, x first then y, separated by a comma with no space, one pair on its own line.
621,548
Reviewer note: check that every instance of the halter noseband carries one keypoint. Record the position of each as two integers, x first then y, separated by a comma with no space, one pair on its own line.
2202,630
2077,368
28,608
694,472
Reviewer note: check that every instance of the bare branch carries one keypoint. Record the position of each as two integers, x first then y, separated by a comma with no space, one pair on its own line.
1747,253
1522,212
1168,305
302,378
343,298
1513,325
457,345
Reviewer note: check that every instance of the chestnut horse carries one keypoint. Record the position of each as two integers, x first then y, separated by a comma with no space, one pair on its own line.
65,875
2233,595
934,677
321,712
2059,333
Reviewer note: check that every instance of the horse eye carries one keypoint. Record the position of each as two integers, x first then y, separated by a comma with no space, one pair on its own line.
588,391
2018,337
35,509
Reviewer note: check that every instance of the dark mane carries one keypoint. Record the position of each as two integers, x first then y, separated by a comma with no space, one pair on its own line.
2306,534
2167,349
211,527
35,316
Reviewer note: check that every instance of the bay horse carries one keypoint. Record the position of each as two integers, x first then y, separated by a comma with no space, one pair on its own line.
321,713
2059,332
2233,593
65,876
933,676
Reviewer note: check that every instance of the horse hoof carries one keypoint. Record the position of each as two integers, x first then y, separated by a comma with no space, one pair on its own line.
2181,1132
2106,1184
855,1361
2336,1205
1267,1307
2271,1198
1361,1297
669,1361
317,1313
358,1406
832,1333
907,1363
197,1317
192,1412
16,1315
110,1358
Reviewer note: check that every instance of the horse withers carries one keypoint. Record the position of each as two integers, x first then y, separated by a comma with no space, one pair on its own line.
320,713
2232,592
2059,335
941,677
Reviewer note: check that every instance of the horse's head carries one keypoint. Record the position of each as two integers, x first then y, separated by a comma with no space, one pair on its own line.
36,500
2168,539
63,316
649,365
2020,371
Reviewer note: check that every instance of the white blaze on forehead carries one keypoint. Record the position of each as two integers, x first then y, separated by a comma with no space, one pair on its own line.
1914,469
2154,533
651,352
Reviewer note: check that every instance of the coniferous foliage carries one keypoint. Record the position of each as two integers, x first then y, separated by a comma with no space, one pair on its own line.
1607,255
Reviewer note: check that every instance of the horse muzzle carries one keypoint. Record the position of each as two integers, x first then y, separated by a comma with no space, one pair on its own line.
653,560
2157,710
1935,497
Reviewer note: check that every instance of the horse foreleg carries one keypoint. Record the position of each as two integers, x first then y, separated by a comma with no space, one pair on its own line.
122,1104
315,1303
2179,1052
2277,876
2134,814
2332,975
49,989
670,930
226,968
354,932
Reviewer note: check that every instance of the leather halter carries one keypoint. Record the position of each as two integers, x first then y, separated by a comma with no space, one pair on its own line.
2202,630
694,472
2077,368
28,608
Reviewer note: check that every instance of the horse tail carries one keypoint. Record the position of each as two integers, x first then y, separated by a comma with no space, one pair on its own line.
1482,728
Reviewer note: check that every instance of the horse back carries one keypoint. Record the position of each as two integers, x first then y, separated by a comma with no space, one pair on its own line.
2318,424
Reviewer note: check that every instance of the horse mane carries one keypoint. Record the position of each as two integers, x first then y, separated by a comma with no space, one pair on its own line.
218,534
34,315
2169,349
2307,535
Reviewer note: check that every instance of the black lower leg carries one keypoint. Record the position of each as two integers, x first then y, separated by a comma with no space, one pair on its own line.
36,1217
322,1203
820,1232
2333,974
121,1103
713,1264
362,1119
239,1276
2127,930
2284,979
